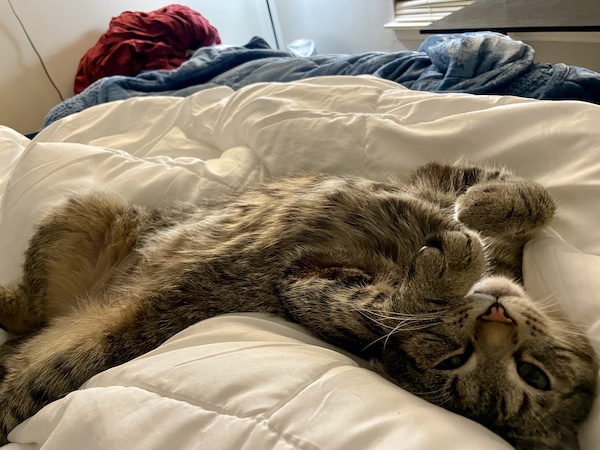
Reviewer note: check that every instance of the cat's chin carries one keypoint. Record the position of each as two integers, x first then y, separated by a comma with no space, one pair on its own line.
498,299
498,287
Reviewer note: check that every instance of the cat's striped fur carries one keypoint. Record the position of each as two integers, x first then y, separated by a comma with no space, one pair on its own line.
404,275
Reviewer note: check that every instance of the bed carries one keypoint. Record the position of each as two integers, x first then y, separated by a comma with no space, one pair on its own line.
475,63
248,381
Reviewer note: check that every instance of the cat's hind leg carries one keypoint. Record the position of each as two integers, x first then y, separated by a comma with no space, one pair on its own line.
72,255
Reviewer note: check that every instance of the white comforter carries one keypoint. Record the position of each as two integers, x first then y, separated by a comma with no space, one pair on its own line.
254,382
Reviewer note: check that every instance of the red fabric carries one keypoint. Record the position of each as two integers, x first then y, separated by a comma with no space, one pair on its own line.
137,41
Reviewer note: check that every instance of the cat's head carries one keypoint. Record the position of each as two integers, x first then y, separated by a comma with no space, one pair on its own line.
500,360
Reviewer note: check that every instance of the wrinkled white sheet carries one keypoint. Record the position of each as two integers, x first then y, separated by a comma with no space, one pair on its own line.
247,381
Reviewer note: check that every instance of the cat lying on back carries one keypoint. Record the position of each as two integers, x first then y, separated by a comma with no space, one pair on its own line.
397,274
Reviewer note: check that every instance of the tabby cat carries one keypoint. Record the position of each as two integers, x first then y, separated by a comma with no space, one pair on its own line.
415,277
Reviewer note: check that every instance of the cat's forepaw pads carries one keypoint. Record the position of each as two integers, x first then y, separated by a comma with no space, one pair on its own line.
504,208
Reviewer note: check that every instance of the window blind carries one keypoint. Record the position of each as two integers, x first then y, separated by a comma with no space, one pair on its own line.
421,13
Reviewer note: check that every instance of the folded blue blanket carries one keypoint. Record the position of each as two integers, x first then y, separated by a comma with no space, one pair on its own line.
477,63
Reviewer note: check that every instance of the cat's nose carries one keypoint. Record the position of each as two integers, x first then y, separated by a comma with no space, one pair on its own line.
497,313
495,329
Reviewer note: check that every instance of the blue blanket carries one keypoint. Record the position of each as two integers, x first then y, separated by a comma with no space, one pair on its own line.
477,63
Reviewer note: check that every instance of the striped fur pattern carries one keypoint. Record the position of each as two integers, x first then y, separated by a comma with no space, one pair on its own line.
403,275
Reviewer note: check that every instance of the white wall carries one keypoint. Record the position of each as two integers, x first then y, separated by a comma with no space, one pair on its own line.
575,49
63,30
338,26
24,90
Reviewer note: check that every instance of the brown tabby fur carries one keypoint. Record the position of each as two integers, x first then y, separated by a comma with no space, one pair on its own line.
401,274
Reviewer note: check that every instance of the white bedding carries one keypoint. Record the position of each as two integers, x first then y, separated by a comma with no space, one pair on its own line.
254,382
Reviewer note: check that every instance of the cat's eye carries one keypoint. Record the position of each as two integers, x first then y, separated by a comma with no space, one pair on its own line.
533,376
455,361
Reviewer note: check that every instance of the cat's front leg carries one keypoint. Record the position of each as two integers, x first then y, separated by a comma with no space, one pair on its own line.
447,266
505,208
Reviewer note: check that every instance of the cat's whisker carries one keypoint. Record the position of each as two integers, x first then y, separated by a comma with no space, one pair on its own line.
444,398
569,328
380,318
398,328
377,318
439,396
545,299
549,305
378,322
542,424
388,323
553,310
431,393
385,336
397,315
407,323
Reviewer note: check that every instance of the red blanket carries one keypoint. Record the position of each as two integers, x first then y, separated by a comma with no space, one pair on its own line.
137,41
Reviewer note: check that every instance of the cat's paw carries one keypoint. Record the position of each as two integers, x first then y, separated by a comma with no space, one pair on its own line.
505,208
448,264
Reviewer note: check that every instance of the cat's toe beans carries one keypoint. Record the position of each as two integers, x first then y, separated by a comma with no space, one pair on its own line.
496,209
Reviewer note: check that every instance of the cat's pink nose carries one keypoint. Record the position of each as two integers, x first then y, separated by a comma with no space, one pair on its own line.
497,313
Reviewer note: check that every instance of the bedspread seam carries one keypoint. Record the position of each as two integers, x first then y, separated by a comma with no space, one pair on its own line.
288,438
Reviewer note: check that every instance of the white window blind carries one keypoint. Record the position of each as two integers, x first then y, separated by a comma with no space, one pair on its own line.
421,13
